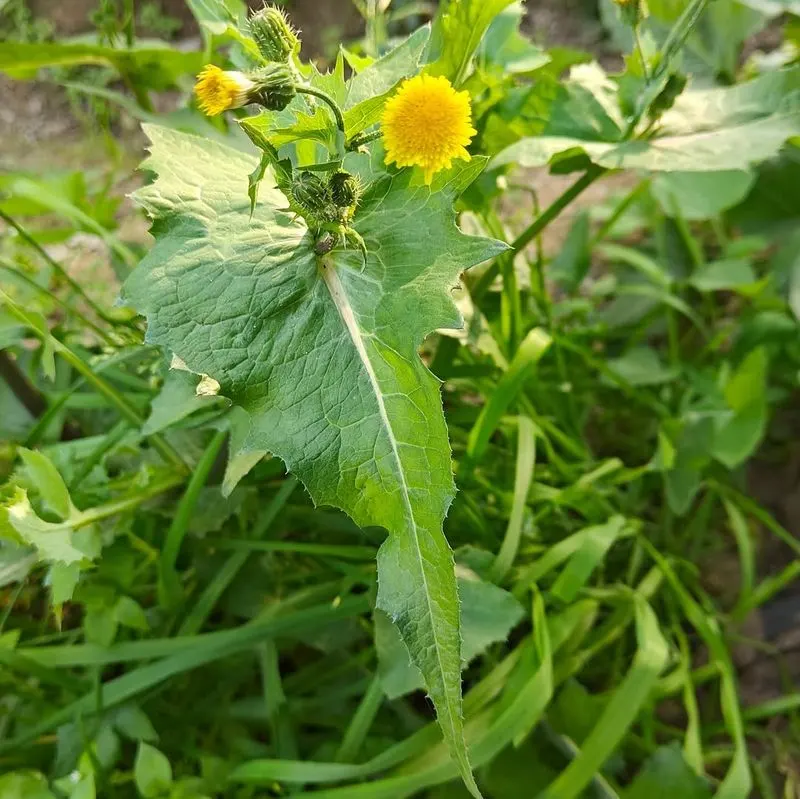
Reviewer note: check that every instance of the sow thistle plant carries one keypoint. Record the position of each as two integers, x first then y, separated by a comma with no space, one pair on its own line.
303,281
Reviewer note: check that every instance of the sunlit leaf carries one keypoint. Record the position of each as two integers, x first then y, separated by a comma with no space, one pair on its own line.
321,353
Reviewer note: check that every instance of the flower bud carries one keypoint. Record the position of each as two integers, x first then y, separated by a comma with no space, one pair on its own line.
310,195
632,11
345,189
274,36
275,86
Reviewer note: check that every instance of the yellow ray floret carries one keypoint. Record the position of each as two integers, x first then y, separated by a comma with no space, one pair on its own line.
218,90
427,123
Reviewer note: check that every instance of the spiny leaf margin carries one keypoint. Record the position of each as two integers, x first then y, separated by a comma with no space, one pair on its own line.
322,355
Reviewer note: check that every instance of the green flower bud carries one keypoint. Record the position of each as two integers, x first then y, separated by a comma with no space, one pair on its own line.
273,34
632,11
345,189
275,85
310,195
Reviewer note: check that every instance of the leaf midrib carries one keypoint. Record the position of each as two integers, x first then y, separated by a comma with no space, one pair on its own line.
347,315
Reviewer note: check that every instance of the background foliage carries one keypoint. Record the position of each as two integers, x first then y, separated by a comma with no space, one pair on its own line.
178,620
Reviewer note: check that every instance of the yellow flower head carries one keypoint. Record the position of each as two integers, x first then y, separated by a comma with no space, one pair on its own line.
427,123
218,90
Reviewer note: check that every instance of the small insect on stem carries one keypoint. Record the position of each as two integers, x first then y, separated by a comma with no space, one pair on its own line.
325,243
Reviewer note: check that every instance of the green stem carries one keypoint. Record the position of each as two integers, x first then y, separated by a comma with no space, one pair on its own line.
361,722
121,505
183,514
638,39
326,98
108,391
19,275
56,404
619,211
536,227
110,440
31,241
362,139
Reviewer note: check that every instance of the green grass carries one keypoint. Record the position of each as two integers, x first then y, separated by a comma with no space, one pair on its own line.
177,618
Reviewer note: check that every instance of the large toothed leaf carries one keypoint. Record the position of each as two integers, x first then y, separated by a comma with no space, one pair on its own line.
720,129
322,355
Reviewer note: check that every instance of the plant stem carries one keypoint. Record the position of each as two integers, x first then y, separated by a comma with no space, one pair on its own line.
619,211
536,227
363,138
31,241
638,39
183,514
121,505
108,391
53,296
326,98
362,720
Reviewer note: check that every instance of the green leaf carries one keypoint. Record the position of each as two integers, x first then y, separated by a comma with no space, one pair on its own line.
129,613
533,347
523,477
773,205
100,624
683,454
155,64
216,15
622,708
584,549
240,460
665,776
746,395
724,275
131,722
178,398
458,30
48,482
793,255
63,578
369,89
151,771
707,130
488,614
641,366
572,262
15,562
701,195
24,785
55,542
322,355
362,99
506,47
587,558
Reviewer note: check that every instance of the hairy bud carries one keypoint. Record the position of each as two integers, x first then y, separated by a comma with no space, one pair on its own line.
310,195
275,85
345,189
275,37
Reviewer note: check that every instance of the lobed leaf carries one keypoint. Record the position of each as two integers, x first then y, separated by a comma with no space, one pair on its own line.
321,354
715,129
